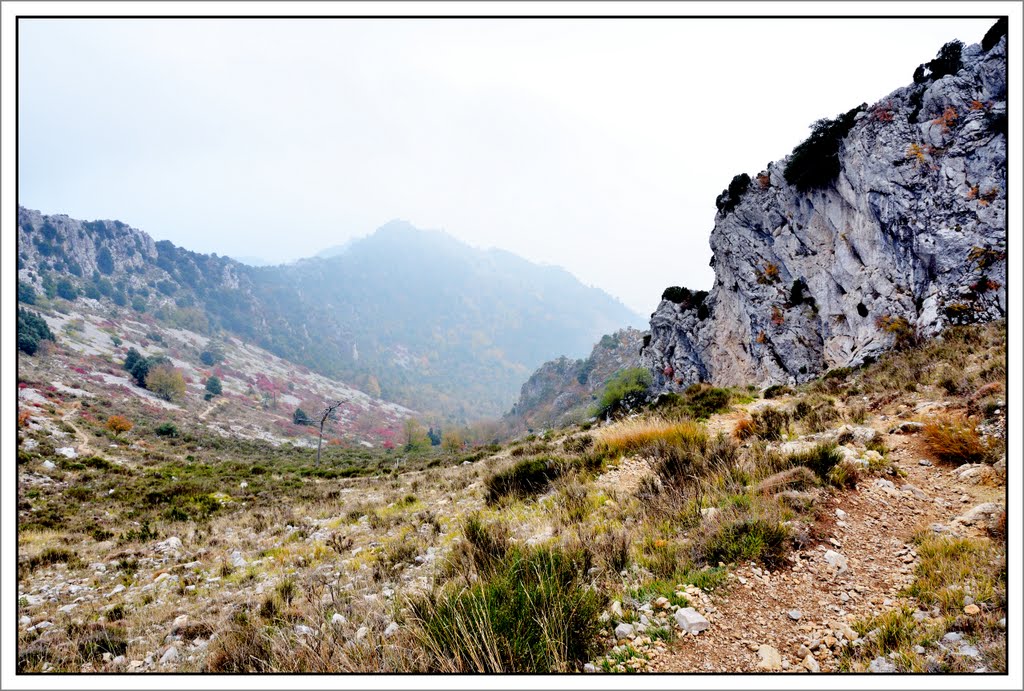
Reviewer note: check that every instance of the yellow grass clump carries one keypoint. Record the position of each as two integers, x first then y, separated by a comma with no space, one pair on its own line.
638,433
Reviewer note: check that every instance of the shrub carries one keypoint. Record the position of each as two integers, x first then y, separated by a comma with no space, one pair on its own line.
756,539
625,389
166,429
776,390
532,614
118,424
730,197
814,163
524,479
26,293
50,556
770,423
954,440
32,329
67,290
166,382
299,417
213,386
676,294
902,332
820,460
946,62
578,445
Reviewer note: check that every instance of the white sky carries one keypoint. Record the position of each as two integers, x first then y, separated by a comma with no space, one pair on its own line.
597,145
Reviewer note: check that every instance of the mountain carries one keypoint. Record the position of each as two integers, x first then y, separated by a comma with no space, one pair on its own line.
413,316
564,390
885,226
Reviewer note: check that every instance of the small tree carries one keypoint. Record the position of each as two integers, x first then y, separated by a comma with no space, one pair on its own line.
414,434
213,386
324,416
118,424
299,417
452,442
166,382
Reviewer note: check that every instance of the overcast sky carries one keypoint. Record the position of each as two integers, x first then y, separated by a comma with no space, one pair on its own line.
596,145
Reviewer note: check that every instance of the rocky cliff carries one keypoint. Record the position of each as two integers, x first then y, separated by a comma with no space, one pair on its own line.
565,390
886,225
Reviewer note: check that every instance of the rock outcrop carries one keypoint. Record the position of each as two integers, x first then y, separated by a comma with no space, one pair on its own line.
907,238
564,390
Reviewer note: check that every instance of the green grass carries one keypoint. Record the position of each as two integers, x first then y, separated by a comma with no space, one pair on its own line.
532,613
754,539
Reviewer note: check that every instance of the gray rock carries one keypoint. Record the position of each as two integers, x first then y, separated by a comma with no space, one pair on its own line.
880,665
889,240
49,465
794,614
170,656
952,637
338,619
391,630
836,560
67,452
691,621
810,664
624,631
589,668
981,513
303,630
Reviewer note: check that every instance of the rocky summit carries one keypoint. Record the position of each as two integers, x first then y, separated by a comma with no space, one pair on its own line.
885,226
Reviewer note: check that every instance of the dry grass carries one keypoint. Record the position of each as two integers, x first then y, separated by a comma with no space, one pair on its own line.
637,434
954,439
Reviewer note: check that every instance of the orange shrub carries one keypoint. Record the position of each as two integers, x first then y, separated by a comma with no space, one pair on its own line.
23,418
118,424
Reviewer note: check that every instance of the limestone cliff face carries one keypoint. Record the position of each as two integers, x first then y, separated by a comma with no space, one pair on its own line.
908,238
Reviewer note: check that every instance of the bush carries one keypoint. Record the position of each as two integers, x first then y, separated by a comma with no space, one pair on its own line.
770,423
488,543
299,417
32,329
213,386
820,460
626,389
699,402
26,293
52,555
166,429
532,614
955,440
730,197
814,163
776,390
578,445
118,424
66,290
166,382
754,539
525,478
946,62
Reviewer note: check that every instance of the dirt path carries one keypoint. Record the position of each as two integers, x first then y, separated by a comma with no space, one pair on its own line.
801,606
85,447
213,406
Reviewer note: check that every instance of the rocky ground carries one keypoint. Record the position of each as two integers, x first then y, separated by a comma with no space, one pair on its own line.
286,568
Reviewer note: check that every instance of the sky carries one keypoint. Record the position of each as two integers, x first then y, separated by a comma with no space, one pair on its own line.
595,145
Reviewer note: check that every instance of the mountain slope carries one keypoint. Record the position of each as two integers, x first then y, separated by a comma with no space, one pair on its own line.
414,316
885,226
564,390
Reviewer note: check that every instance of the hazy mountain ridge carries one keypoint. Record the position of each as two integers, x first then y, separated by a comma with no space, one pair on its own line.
414,316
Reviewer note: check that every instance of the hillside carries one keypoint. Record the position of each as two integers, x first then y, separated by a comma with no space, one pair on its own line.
855,523
886,225
412,316
564,391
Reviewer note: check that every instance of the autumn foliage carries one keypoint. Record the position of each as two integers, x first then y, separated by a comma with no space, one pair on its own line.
118,424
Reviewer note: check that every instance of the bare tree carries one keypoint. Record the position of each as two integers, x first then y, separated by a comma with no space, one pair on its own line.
324,416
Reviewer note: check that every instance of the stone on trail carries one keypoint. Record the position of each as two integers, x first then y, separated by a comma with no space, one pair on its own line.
691,621
768,658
